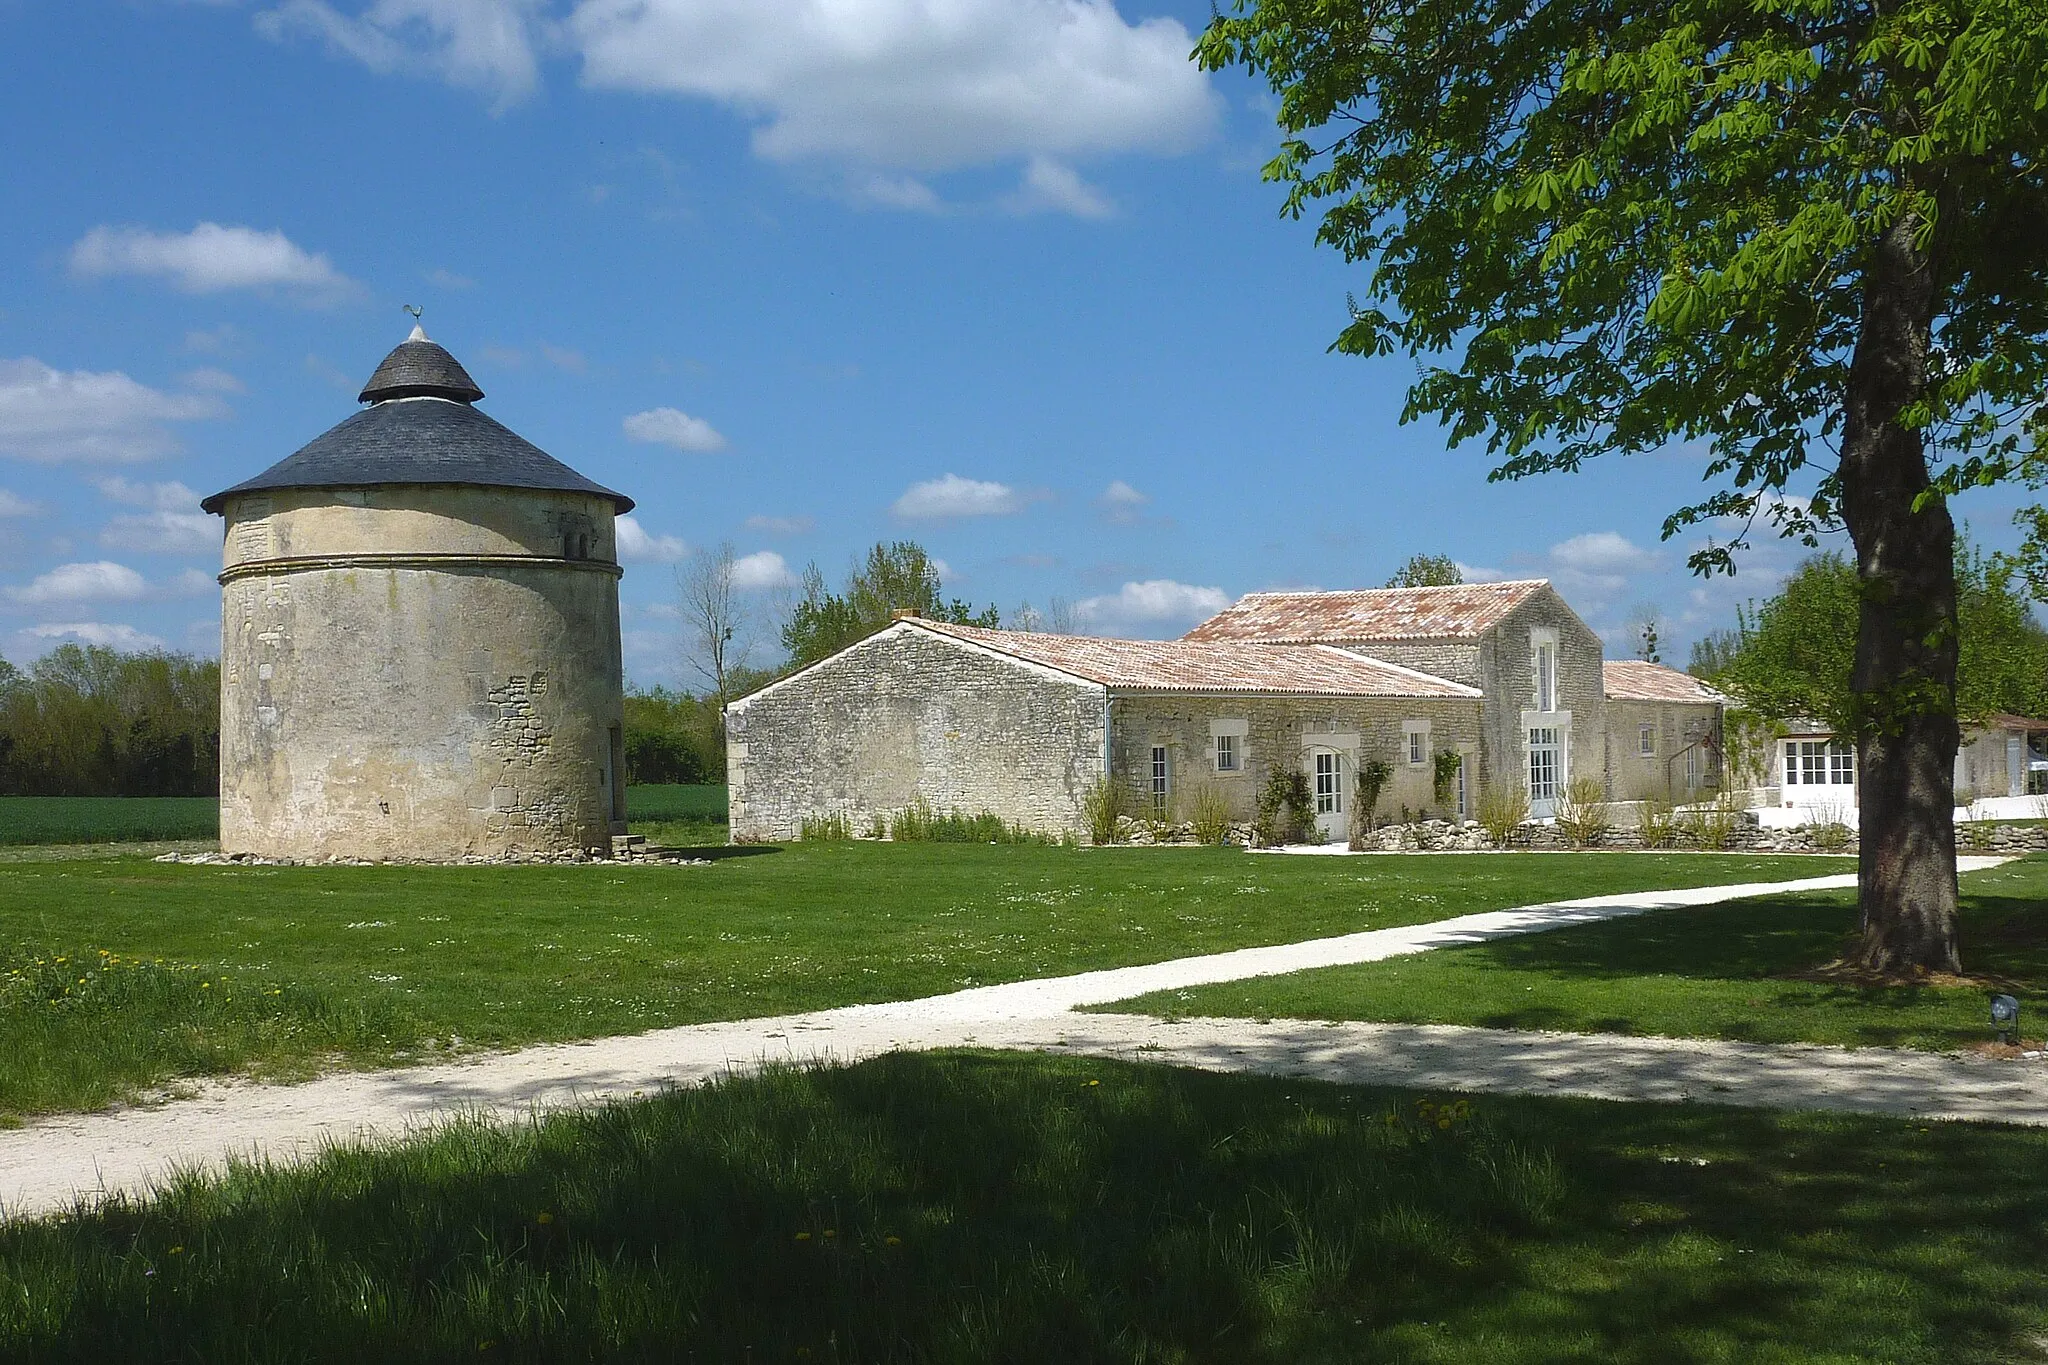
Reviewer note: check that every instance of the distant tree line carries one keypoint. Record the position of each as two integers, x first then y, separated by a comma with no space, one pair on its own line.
88,721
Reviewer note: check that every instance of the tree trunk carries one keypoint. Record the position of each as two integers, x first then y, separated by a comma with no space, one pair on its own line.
1904,685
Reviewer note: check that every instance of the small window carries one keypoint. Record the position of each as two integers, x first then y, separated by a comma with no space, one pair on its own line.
1226,753
1646,740
1842,764
1415,743
1464,808
1159,775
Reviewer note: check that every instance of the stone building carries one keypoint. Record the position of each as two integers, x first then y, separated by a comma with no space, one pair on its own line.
1663,733
420,653
1502,680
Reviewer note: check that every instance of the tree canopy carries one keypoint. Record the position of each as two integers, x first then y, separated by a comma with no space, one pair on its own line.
84,720
1427,571
897,576
1794,654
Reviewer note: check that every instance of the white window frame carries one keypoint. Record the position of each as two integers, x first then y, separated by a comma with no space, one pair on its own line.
1554,745
1236,731
1415,742
1161,785
1646,739
1328,800
1226,754
1543,667
1464,804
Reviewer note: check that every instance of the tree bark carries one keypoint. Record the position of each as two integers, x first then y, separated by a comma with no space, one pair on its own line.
1903,687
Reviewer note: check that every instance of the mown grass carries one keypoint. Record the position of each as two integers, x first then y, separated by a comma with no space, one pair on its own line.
970,1208
106,819
369,966
1723,971
678,815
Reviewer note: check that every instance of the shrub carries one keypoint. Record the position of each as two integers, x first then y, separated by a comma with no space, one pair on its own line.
1373,776
1503,808
1444,776
1711,826
1582,813
1101,804
1286,809
1659,825
825,828
1830,830
1211,815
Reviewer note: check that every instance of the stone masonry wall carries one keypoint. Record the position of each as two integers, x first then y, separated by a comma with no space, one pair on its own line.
1633,777
1279,732
1508,679
906,715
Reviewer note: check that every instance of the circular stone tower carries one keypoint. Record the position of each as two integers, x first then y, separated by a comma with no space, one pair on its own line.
420,638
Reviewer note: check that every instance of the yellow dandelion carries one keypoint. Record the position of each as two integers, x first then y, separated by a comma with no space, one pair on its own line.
803,1236
892,1241
544,1218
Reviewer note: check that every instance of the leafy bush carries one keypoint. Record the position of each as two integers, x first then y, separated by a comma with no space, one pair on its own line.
1373,776
1444,774
1503,809
1211,815
1829,828
819,828
1101,805
1659,825
1286,809
1582,814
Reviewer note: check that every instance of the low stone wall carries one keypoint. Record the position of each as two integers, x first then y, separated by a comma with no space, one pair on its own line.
1442,836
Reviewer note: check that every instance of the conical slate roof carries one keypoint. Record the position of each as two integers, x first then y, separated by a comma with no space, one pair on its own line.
420,429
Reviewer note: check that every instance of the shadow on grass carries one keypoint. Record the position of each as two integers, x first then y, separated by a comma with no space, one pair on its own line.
969,1208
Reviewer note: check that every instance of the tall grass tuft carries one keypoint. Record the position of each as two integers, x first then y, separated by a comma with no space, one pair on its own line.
1210,815
1658,827
1582,813
1503,810
1712,825
1101,805
826,828
919,823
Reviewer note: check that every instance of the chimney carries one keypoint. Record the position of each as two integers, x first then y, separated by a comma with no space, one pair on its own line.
905,614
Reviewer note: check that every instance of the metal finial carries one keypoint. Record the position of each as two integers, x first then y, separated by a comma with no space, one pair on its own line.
419,333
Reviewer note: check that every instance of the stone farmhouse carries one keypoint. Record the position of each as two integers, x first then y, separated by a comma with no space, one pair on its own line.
1454,688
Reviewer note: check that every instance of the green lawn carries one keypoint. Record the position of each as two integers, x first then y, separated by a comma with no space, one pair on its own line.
1715,972
969,1208
106,819
676,815
123,973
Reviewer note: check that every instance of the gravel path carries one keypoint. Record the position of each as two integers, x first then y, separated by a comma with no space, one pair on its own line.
51,1162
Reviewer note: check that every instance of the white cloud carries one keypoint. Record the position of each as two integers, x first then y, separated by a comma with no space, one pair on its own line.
1602,553
1475,573
761,569
442,278
781,526
670,427
209,259
165,497
953,496
923,85
98,633
52,415
209,379
636,543
1051,186
100,581
1121,503
562,358
483,45
12,504
163,532
1148,606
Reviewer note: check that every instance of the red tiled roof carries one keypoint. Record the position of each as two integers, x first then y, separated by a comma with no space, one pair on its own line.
2006,720
1464,612
1184,666
1636,680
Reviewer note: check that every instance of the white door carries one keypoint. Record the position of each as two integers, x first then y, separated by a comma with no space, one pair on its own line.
1326,782
2015,766
1546,770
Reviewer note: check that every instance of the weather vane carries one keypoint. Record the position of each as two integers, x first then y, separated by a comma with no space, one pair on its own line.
415,310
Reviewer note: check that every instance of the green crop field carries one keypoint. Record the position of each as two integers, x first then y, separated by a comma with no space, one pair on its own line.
1732,971
119,973
106,819
971,1208
677,814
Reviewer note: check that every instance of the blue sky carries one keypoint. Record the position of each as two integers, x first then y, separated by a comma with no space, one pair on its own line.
996,275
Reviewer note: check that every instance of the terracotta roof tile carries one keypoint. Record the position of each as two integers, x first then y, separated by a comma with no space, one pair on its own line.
1636,680
1455,613
1184,666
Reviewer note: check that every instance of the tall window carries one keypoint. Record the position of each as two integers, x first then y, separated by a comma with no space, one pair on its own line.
1646,740
1546,676
1544,763
1464,808
1159,792
1819,762
1226,753
1329,784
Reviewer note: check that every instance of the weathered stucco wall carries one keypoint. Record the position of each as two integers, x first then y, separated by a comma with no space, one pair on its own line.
419,673
1281,731
1633,776
907,714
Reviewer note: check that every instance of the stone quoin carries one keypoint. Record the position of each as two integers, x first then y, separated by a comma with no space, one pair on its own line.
420,654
